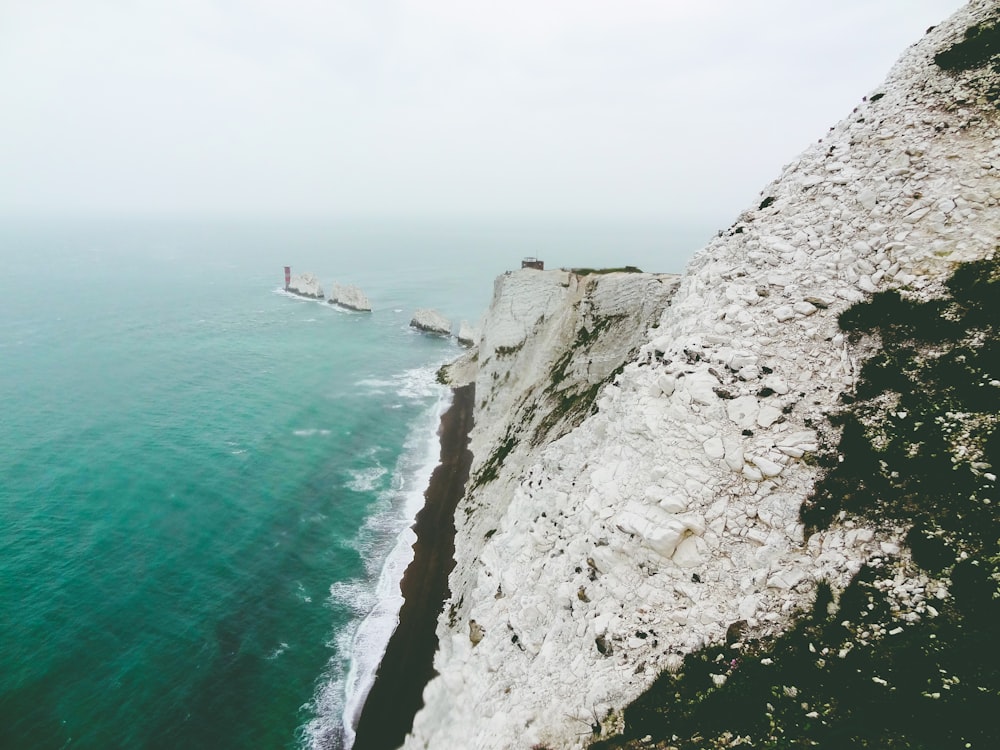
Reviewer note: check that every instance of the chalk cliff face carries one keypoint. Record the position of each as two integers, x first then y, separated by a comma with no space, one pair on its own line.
595,548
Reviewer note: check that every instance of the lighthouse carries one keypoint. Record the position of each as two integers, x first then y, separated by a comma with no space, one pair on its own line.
288,276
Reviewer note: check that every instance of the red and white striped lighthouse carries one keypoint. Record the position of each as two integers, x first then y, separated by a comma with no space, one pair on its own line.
288,276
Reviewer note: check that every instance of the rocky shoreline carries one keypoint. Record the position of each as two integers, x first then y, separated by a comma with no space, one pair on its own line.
407,665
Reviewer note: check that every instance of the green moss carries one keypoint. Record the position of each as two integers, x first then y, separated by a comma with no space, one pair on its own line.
917,454
598,271
490,470
980,44
570,405
585,339
509,351
558,372
932,684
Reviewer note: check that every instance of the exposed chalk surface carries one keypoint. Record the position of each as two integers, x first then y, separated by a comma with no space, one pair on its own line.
593,554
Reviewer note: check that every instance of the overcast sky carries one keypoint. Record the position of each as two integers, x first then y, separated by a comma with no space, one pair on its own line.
617,109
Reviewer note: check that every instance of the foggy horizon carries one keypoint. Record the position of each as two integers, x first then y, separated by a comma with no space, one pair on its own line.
431,111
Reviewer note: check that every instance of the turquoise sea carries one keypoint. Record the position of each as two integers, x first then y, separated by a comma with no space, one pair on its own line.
203,479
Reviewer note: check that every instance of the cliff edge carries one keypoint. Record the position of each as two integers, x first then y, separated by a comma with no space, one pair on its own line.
641,458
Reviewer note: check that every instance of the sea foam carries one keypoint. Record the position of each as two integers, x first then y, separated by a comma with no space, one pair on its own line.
349,676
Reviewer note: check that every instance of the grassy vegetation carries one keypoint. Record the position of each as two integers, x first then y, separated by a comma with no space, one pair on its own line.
571,408
593,271
924,424
585,339
565,405
919,448
978,51
836,680
980,44
570,405
490,470
509,351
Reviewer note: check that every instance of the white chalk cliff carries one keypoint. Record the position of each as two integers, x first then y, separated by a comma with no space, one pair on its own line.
596,547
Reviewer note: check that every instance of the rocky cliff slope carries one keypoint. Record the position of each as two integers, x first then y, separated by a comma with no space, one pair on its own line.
621,516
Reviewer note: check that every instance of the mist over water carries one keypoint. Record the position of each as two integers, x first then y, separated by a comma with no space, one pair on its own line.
203,476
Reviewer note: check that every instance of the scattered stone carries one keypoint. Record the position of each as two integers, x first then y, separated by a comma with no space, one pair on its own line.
776,384
822,302
768,415
865,284
743,411
868,199
767,467
783,313
476,632
667,384
714,448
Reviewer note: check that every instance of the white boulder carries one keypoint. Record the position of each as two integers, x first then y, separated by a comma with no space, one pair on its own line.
743,411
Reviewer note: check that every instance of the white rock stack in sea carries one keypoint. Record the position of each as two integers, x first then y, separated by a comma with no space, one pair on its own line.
431,321
305,285
467,334
349,297
595,549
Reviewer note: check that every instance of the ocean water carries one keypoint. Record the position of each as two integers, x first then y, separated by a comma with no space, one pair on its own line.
206,484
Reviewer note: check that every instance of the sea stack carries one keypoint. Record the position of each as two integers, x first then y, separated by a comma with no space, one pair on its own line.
431,321
350,298
305,285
